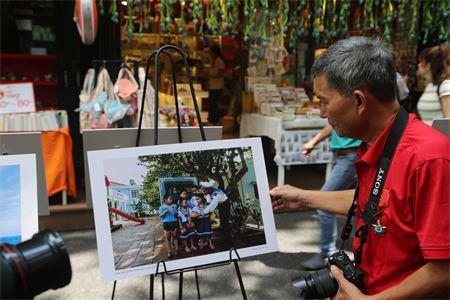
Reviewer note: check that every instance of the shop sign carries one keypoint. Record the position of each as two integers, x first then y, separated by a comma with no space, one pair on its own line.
17,98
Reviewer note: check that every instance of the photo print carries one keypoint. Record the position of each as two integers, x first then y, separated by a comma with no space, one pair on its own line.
252,56
186,208
18,198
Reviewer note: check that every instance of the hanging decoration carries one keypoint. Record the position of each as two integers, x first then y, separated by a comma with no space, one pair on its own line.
86,18
264,20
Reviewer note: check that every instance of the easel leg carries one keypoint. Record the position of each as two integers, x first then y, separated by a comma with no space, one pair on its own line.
162,286
152,278
114,290
180,292
198,287
238,272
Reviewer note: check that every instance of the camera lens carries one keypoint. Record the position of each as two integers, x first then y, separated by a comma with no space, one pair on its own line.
34,266
320,284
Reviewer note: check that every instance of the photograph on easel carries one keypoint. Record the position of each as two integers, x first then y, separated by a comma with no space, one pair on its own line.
185,208
18,198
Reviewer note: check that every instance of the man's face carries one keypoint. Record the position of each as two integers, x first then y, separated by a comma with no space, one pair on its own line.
341,113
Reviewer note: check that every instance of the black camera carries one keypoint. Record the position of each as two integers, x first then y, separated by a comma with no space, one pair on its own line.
34,266
321,284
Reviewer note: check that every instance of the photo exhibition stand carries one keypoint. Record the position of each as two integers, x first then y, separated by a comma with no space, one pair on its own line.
201,267
29,143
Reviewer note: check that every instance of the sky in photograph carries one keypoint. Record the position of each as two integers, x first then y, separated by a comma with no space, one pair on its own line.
121,170
10,201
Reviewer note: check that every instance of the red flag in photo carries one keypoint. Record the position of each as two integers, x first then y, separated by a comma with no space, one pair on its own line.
107,181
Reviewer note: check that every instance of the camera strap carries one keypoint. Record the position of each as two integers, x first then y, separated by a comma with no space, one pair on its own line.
371,207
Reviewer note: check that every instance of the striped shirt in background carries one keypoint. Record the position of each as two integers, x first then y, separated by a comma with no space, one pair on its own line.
429,106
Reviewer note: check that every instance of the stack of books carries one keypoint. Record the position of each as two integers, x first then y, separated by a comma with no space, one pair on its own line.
49,120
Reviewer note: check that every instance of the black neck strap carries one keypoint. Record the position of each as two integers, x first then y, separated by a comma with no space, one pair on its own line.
371,207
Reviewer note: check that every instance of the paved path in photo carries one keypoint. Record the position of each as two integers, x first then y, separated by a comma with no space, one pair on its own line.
138,244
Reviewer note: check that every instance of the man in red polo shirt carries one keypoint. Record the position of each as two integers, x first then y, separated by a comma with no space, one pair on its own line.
407,255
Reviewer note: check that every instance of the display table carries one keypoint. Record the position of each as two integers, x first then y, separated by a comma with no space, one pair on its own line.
276,129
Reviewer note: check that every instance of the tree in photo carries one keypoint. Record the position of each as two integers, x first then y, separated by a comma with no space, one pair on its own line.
226,166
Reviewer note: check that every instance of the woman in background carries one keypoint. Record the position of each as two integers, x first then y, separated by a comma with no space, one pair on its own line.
216,83
434,65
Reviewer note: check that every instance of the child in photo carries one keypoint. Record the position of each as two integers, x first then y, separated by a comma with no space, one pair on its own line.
186,225
203,222
183,195
194,190
168,213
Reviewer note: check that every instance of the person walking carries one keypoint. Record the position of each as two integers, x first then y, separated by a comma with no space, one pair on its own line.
342,177
216,83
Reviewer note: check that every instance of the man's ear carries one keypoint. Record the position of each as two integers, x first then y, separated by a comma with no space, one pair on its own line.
360,100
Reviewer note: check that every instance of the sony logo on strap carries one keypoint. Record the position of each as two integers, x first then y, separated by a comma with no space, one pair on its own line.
378,181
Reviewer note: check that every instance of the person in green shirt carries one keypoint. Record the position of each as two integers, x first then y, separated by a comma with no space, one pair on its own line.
343,177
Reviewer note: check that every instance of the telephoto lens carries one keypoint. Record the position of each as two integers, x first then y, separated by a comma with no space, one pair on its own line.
34,266
318,285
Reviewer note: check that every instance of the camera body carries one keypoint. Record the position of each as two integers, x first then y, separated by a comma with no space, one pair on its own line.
351,273
321,284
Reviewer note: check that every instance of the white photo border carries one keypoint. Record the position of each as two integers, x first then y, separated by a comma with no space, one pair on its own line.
101,216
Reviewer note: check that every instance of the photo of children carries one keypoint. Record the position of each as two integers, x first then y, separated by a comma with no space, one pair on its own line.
186,225
168,214
180,206
204,223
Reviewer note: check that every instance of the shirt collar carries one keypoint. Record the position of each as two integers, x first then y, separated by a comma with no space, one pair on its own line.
372,155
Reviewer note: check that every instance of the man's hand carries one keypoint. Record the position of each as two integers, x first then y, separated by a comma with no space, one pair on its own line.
287,196
308,147
347,290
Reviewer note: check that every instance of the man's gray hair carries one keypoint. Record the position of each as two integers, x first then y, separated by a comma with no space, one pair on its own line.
358,63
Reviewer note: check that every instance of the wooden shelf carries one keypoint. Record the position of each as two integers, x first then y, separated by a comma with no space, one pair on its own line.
47,108
26,56
24,15
33,82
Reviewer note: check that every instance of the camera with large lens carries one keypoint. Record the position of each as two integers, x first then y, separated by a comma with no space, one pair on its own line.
34,266
321,284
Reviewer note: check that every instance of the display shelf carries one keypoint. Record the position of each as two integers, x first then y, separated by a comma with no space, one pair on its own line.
26,56
47,108
33,82
31,67
37,16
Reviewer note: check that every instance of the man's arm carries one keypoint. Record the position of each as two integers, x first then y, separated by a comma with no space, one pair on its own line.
429,282
323,134
286,196
213,204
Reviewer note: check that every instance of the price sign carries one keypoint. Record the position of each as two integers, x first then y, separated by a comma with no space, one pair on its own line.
17,98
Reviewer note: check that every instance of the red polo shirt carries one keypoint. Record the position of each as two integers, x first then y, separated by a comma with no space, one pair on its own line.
415,202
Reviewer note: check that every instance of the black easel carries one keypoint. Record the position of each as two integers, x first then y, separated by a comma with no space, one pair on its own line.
113,67
207,266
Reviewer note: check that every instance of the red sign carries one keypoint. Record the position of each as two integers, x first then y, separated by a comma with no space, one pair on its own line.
17,98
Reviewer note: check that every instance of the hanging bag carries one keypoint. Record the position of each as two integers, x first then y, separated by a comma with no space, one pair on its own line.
106,105
85,97
126,88
149,107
